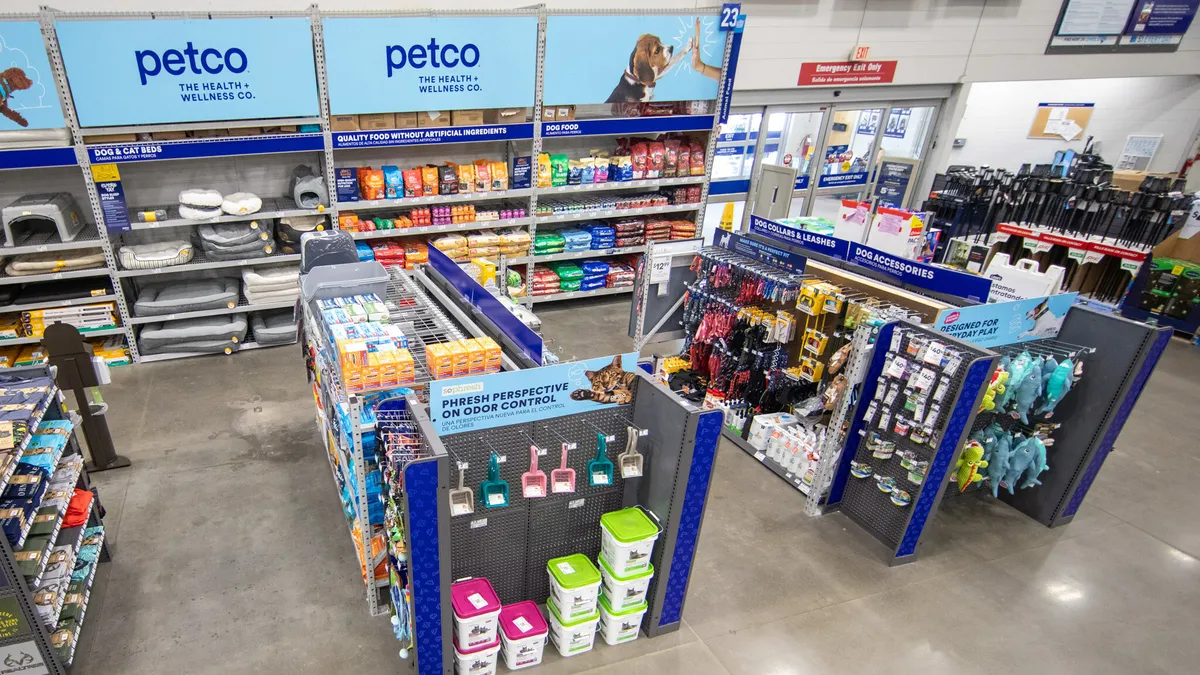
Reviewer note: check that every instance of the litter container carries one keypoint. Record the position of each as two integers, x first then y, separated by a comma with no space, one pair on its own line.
572,636
522,634
620,625
476,613
481,660
574,585
628,592
627,540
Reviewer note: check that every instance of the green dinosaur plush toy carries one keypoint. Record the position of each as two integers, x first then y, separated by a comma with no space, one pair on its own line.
969,463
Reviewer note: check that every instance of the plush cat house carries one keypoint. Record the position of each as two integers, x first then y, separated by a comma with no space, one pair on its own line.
44,212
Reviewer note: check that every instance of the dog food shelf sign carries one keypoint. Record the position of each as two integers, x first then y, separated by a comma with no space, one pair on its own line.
1005,323
642,59
28,99
189,70
415,64
487,401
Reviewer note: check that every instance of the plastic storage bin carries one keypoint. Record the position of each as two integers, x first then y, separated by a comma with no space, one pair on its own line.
522,635
574,585
572,636
620,625
480,660
627,540
476,614
628,592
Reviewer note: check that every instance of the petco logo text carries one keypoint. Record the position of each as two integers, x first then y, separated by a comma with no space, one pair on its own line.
210,61
418,56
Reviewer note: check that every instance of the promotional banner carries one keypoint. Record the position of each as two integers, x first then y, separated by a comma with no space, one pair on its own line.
759,251
928,277
895,177
414,64
531,395
28,99
1004,323
184,70
628,59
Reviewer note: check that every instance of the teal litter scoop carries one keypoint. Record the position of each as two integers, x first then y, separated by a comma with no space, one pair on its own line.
631,460
493,491
600,469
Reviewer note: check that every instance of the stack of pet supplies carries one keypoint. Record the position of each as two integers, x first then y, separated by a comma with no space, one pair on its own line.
76,583
629,232
575,240
237,241
603,236
271,285
548,243
545,281
206,335
620,273
204,204
31,485
32,323
371,352
595,274
570,276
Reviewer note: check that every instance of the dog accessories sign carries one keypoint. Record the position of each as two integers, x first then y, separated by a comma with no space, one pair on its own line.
28,99
645,58
500,399
414,64
177,70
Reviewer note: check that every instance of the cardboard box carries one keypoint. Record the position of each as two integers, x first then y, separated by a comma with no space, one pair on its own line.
1183,249
505,115
111,138
564,112
247,131
169,135
548,113
433,118
210,133
377,121
343,123
406,120
466,118
1132,180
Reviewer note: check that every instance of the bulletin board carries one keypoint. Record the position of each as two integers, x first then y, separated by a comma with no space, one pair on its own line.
1061,121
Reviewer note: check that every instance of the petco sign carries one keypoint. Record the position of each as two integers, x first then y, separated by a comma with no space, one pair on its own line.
834,73
166,71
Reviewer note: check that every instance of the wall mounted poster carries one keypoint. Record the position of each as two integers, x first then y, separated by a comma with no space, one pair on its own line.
487,401
414,64
189,70
28,99
612,59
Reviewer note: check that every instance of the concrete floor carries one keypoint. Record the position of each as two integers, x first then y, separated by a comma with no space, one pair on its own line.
231,556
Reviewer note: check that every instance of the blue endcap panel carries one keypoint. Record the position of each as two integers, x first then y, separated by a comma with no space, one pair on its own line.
708,434
425,570
868,392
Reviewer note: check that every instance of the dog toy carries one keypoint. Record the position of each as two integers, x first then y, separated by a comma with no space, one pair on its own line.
998,464
1016,374
1022,455
994,389
1057,386
969,464
1036,465
1027,392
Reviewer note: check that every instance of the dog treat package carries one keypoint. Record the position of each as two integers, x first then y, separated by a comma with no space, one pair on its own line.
640,155
683,165
412,183
373,186
447,180
697,159
429,180
620,168
657,160
393,185
587,171
693,194
558,169
483,175
466,177
574,172
600,167
670,158
543,170
499,175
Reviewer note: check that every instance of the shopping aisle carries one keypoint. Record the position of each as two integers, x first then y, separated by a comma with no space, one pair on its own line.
232,557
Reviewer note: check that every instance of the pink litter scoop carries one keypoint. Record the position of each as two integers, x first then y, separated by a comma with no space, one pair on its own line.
562,479
533,481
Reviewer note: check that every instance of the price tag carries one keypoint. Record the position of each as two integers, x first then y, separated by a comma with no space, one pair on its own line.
599,478
575,503
660,269
565,568
522,624
759,456
935,353
925,379
478,523
477,600
495,500
897,367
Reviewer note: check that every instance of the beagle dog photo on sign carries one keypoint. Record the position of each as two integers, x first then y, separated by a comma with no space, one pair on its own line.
649,61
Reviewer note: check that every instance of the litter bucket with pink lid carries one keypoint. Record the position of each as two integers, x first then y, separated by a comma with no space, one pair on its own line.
476,612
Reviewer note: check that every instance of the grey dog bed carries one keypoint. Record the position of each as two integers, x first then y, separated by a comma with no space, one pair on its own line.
234,234
307,188
186,296
276,327
209,328
194,347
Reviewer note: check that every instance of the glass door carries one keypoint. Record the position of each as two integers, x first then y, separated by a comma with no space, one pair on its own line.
846,158
793,138
906,139
733,159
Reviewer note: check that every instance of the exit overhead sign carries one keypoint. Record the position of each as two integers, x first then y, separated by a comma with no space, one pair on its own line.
831,73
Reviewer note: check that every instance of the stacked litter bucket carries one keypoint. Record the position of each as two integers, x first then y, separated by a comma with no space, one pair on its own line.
484,630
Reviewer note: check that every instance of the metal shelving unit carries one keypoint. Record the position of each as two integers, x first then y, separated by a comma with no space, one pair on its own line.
272,207
201,262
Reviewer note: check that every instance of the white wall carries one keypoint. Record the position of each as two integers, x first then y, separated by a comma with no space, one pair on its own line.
999,114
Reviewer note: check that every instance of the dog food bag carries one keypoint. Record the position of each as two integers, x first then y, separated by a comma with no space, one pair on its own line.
429,180
466,177
393,184
483,175
656,160
447,180
558,169
574,172
412,183
600,167
499,175
620,168
697,159
373,187
683,166
543,170
671,158
640,155
587,171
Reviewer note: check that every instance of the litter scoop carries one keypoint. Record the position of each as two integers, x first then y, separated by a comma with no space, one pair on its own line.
462,498
493,491
562,479
631,459
533,481
600,469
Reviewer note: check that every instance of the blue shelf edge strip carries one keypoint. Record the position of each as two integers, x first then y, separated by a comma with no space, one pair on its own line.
37,158
200,148
631,125
343,140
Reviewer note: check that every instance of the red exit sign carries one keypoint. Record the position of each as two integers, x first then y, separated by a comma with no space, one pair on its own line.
831,73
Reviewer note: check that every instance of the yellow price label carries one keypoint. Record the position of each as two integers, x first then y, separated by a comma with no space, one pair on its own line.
105,172
1177,270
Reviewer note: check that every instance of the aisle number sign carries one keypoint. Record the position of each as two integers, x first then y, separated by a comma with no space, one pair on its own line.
731,13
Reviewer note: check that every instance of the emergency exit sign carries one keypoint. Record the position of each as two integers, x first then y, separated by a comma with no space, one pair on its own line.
832,73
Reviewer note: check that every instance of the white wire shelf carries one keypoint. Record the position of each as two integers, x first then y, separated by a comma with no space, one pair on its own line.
576,255
437,229
462,197
596,214
574,295
644,184
272,207
201,262
244,306
41,241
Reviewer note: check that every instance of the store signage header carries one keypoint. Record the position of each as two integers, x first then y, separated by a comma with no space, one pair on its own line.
776,257
832,73
1005,323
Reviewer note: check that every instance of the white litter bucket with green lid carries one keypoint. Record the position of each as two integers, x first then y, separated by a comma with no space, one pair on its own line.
627,540
571,636
574,585
620,625
628,592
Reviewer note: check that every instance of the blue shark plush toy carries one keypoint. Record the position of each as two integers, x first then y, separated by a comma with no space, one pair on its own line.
998,463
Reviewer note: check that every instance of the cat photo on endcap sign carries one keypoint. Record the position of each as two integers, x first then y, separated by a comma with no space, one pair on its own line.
610,384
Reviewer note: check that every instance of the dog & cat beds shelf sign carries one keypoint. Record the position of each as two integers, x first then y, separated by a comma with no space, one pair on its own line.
645,58
166,71
500,399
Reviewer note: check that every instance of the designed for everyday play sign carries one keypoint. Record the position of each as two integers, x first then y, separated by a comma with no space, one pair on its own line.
488,401
413,64
184,70
1005,323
